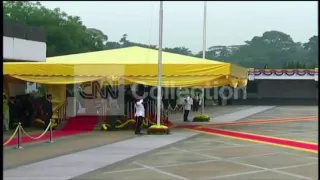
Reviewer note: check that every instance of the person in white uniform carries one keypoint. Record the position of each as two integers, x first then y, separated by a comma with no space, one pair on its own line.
187,108
139,115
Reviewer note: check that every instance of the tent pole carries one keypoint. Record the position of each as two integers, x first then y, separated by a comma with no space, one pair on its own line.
159,97
204,48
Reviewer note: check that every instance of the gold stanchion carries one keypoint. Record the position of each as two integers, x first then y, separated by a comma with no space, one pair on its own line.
19,137
12,136
50,133
128,110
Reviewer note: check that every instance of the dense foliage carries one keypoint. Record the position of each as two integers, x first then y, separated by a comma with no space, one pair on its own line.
66,34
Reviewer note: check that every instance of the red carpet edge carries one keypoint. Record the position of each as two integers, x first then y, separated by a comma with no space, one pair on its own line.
288,143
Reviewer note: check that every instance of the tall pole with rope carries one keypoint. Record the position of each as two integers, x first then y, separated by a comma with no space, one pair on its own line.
204,48
159,97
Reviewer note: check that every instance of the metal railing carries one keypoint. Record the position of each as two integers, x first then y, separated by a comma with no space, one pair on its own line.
61,112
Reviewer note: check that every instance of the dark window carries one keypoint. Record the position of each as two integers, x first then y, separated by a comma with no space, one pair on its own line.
252,87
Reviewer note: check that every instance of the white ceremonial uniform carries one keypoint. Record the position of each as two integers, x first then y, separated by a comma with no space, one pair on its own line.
187,104
140,111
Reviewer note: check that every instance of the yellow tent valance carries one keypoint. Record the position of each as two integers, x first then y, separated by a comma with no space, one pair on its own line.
181,81
212,81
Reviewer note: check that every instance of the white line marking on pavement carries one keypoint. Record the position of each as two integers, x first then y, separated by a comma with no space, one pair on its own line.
249,156
124,170
213,140
190,163
256,155
254,166
293,175
227,159
294,166
227,147
183,150
162,172
253,172
293,154
170,165
209,149
237,174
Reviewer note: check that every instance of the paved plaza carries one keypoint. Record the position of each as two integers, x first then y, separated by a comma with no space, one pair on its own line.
184,154
207,157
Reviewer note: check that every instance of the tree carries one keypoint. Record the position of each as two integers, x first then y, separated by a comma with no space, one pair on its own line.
98,35
124,41
112,45
220,53
312,44
179,50
65,34
273,48
312,51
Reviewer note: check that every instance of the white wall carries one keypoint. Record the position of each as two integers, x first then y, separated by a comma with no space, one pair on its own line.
23,50
71,107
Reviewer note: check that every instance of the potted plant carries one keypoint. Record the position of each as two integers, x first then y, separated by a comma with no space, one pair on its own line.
201,118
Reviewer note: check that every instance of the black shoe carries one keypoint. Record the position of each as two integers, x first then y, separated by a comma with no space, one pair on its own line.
139,133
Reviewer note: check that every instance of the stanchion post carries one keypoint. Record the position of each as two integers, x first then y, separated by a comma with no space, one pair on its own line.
132,110
19,137
127,109
50,133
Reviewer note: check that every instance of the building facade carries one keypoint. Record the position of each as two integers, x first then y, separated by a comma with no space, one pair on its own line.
282,87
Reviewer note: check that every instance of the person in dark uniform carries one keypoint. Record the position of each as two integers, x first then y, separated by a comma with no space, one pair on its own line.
29,112
196,103
47,108
19,110
12,112
6,116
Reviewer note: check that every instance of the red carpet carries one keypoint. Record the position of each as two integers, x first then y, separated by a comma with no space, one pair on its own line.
81,123
76,125
272,140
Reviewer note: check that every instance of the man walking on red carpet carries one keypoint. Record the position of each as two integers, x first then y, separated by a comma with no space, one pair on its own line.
139,115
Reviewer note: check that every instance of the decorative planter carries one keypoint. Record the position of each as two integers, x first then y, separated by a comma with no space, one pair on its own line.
201,118
158,130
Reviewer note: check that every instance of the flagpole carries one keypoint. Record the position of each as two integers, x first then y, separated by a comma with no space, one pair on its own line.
159,97
204,48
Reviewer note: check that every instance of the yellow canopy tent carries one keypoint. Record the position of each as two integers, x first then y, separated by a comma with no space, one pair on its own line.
134,65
